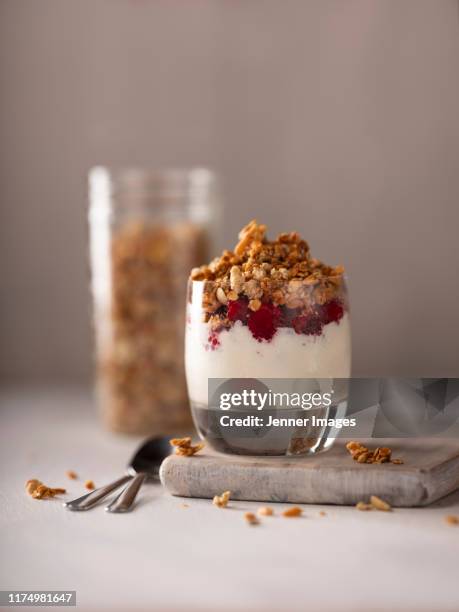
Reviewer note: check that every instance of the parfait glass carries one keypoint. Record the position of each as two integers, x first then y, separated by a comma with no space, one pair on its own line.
297,341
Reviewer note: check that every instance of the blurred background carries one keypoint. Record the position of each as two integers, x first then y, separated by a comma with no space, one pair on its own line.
336,118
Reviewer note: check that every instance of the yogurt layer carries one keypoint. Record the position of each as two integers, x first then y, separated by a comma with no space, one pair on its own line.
287,355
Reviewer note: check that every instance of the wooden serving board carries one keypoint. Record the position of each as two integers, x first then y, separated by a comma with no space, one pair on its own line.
430,471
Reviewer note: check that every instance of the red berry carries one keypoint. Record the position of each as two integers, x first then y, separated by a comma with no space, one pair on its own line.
331,312
288,315
237,310
310,325
299,324
213,341
264,322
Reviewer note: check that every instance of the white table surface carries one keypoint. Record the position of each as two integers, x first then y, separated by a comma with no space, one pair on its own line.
167,557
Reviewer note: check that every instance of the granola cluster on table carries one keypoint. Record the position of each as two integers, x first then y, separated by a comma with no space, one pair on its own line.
269,284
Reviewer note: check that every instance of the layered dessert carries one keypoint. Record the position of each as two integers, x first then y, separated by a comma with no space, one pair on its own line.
267,309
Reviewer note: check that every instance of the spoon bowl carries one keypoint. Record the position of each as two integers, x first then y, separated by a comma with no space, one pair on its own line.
144,465
149,456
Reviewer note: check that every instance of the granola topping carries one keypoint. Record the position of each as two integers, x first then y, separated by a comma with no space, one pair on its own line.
270,284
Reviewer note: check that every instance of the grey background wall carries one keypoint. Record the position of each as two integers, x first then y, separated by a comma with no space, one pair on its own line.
338,118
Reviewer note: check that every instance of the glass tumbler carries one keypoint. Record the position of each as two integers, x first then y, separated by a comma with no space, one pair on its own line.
147,229
301,344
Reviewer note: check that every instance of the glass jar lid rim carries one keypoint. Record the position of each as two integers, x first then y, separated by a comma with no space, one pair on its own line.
166,182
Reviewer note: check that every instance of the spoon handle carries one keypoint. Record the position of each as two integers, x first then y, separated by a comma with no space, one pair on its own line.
125,500
91,499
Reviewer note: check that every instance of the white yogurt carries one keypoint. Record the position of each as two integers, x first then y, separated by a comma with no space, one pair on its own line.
240,355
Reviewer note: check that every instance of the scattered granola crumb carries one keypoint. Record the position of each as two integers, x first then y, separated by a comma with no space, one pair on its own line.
251,518
184,448
380,504
363,506
322,513
362,454
31,485
71,474
452,520
89,484
293,511
38,490
265,511
185,505
221,501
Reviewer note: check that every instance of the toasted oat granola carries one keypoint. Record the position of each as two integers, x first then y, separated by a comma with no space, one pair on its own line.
380,504
89,484
376,503
362,454
451,519
71,474
363,506
294,511
279,273
250,518
140,330
184,447
265,511
221,501
38,490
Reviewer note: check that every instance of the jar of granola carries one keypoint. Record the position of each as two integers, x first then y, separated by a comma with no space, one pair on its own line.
146,230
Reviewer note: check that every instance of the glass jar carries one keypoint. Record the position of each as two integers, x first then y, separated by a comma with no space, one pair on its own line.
299,345
147,229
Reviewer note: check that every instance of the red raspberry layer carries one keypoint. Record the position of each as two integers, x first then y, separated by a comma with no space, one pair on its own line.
263,323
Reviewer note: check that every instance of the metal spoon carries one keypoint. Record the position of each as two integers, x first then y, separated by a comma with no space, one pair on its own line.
144,464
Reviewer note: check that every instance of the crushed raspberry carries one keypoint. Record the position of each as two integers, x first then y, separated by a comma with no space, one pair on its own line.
264,322
331,312
213,341
288,315
238,309
310,325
